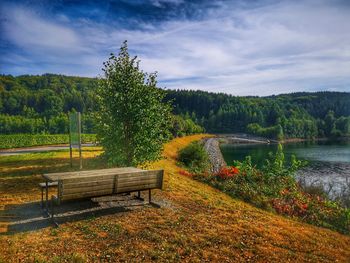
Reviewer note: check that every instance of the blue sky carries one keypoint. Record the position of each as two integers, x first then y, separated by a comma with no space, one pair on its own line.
247,47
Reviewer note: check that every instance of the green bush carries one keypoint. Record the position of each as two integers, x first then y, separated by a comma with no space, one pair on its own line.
194,157
27,140
181,127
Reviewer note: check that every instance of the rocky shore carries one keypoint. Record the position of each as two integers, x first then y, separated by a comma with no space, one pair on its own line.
211,145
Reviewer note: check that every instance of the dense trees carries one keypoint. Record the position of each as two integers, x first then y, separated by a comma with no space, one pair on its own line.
133,120
297,115
43,101
39,104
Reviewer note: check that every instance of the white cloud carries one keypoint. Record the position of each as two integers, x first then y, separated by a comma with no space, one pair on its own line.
25,29
279,48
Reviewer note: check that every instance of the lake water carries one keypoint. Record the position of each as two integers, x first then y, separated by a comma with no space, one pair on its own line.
328,162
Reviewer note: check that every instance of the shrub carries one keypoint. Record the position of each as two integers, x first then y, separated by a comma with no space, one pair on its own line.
194,157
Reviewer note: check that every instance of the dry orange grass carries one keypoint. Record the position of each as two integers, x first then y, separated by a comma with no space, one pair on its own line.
199,224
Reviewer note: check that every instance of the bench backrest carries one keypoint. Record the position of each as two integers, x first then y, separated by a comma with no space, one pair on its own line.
139,181
94,186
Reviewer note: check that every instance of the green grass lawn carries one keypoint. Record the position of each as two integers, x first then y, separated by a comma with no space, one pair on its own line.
53,161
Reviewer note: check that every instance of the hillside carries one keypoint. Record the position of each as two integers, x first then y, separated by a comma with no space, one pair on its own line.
195,223
37,104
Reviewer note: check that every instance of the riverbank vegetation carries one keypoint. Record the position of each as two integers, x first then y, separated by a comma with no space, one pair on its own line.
194,158
195,222
273,188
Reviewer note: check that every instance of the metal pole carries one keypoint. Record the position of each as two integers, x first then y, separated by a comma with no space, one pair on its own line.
79,133
47,196
70,142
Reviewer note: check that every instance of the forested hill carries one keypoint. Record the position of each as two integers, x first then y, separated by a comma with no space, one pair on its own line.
36,104
295,115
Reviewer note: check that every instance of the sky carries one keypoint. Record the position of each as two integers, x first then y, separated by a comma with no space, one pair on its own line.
243,47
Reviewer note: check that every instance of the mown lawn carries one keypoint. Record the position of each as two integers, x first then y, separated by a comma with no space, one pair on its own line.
199,223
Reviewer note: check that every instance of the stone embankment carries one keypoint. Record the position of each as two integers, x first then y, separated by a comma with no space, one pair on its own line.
211,145
241,138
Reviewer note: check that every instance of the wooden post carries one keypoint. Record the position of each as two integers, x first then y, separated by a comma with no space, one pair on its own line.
79,134
70,146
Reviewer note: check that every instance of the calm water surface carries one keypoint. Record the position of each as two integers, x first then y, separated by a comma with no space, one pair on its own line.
328,162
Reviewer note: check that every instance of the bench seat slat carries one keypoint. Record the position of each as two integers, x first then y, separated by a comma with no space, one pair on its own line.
88,183
137,178
134,189
85,194
104,187
88,179
137,182
50,184
137,174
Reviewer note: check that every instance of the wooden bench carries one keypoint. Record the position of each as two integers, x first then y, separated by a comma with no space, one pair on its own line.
42,187
97,183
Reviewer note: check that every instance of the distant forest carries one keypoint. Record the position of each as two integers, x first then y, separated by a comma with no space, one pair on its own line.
39,104
295,115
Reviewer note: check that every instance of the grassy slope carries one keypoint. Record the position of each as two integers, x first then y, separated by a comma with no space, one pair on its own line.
200,223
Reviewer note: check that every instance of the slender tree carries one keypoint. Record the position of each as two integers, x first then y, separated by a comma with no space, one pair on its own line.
134,121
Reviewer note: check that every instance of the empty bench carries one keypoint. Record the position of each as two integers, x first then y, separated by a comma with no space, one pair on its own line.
97,183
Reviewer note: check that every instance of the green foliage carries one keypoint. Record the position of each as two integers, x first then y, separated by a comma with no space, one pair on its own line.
194,157
275,165
181,127
133,121
19,124
275,188
297,115
275,132
39,104
26,140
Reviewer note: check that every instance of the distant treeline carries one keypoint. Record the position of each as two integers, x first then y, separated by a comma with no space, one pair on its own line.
295,115
39,104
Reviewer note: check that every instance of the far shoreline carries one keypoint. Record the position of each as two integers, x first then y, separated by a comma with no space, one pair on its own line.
243,138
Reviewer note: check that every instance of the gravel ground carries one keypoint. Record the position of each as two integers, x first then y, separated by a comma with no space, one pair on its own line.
216,159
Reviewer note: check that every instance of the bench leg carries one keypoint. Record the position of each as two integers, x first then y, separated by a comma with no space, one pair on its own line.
42,197
139,196
51,208
53,211
47,195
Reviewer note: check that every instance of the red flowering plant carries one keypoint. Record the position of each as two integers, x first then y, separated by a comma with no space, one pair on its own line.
185,173
228,172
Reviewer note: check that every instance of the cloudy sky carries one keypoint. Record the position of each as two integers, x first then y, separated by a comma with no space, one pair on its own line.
251,47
